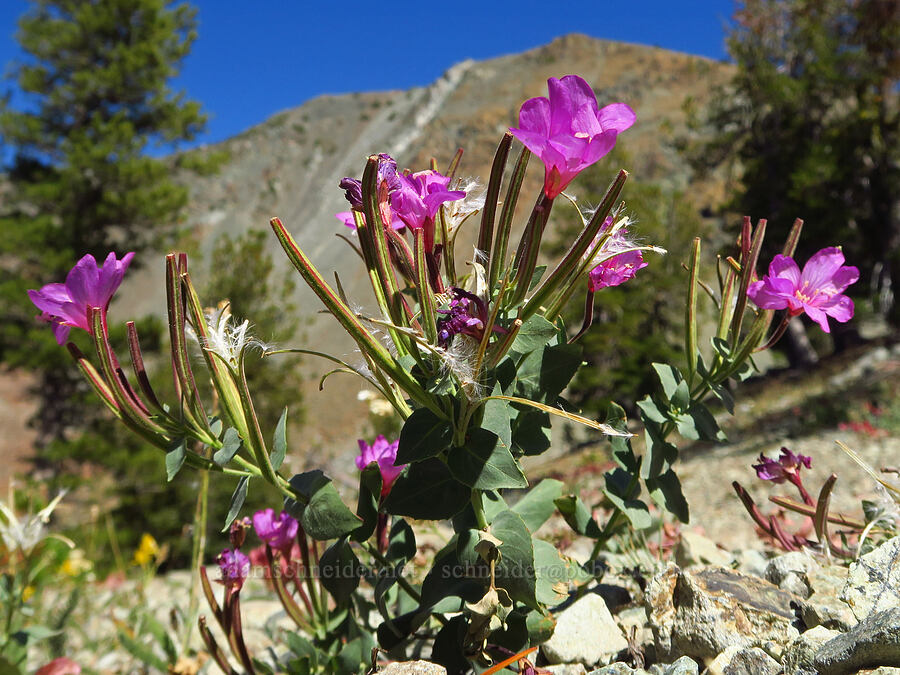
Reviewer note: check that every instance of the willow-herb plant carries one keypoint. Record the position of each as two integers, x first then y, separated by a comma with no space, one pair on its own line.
475,362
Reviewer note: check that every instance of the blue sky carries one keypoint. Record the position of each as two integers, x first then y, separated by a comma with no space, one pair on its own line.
254,58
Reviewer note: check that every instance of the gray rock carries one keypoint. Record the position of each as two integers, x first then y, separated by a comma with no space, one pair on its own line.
413,668
752,562
566,669
880,670
790,572
874,641
617,668
824,607
702,614
635,619
873,583
683,666
585,633
695,549
743,661
799,657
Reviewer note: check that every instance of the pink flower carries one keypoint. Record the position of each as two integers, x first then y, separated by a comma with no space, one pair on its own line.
420,195
786,467
234,566
87,285
567,131
817,290
279,533
60,666
616,270
384,454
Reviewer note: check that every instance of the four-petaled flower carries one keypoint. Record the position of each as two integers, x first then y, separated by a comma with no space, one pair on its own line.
567,131
817,290
279,533
383,453
785,468
616,270
87,285
234,566
420,195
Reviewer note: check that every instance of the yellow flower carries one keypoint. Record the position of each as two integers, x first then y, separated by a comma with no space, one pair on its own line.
146,552
27,592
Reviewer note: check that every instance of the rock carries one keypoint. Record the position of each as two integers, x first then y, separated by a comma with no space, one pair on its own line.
800,655
743,661
874,641
702,614
824,607
617,668
413,668
873,583
683,666
752,562
566,669
880,670
635,619
790,572
695,549
585,633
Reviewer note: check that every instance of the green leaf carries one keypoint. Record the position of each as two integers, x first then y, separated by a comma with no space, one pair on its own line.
448,578
616,490
515,569
231,443
651,411
427,491
669,378
497,418
393,631
367,505
340,571
7,668
142,652
665,491
175,457
402,543
531,432
543,374
578,516
537,505
356,653
423,435
446,647
552,573
541,625
659,454
484,463
324,516
534,334
302,648
681,399
237,501
279,442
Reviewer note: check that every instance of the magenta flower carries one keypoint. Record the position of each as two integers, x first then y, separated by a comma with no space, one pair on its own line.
616,270
279,533
567,131
420,195
817,290
786,467
384,454
234,566
352,187
87,285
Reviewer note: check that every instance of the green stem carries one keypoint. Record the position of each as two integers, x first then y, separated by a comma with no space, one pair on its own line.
478,508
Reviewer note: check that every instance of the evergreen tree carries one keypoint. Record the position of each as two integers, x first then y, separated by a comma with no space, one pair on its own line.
812,122
93,100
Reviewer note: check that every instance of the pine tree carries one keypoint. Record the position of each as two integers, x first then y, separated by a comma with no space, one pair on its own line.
94,103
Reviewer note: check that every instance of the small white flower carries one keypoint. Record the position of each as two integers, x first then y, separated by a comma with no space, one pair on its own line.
25,534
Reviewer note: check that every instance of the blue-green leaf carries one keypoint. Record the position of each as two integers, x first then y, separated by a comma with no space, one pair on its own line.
484,463
237,501
175,457
231,443
423,435
279,442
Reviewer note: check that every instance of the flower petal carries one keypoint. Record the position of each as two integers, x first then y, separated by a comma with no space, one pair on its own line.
567,96
617,117
784,267
821,268
534,117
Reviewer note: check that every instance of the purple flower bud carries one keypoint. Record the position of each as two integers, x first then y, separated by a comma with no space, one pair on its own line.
238,532
467,314
279,533
235,567
616,270
353,192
